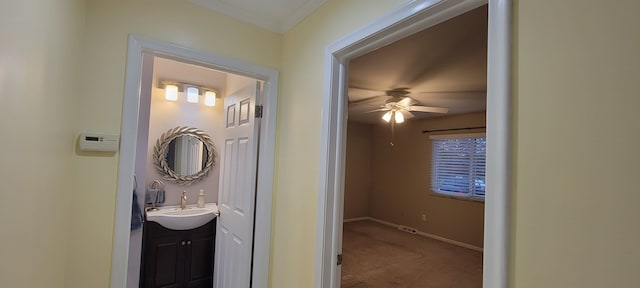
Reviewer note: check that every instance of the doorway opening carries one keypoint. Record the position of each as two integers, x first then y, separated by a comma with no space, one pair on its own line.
413,214
141,54
408,20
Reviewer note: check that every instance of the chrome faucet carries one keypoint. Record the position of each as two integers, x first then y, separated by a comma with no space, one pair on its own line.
183,200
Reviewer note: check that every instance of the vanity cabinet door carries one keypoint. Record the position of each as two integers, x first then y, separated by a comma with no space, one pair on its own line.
199,267
176,259
164,258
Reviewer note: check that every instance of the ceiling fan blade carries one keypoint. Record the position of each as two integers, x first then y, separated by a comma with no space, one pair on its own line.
407,102
373,105
379,99
451,95
377,110
368,106
357,94
428,109
364,91
407,114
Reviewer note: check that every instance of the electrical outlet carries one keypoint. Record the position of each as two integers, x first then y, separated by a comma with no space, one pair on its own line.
424,217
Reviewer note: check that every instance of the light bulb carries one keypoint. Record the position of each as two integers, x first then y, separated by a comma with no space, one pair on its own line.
387,116
399,117
210,98
171,92
192,94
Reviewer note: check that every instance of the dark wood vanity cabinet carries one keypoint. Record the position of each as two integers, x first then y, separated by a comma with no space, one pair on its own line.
177,259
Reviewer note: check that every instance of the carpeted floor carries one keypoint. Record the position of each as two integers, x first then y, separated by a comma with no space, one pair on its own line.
379,256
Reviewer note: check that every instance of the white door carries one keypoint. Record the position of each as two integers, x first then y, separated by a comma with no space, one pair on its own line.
236,195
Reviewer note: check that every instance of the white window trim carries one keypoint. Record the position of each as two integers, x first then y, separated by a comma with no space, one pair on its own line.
456,197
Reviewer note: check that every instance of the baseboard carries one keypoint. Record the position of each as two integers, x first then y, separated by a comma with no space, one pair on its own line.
356,219
418,232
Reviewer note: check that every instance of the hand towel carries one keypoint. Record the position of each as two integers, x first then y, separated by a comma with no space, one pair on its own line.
136,213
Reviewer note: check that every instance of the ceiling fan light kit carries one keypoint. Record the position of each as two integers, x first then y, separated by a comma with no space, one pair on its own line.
396,103
399,118
387,116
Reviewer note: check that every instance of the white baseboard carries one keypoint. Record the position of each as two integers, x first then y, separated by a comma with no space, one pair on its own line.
432,236
356,219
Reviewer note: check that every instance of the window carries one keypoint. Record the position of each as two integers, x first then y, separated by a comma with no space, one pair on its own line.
458,165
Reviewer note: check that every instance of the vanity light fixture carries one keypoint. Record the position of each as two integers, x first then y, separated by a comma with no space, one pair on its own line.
171,92
193,93
210,98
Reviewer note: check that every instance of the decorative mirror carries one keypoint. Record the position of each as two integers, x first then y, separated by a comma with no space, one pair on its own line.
184,155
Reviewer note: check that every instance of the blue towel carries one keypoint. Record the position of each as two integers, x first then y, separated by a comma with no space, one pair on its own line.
160,197
136,213
150,196
154,196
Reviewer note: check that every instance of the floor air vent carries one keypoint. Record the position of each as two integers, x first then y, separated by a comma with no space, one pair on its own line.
407,229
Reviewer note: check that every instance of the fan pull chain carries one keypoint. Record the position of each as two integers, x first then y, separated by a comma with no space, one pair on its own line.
393,125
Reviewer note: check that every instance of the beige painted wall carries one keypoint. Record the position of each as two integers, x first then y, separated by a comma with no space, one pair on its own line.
357,182
401,181
100,96
299,124
576,83
574,208
37,64
576,198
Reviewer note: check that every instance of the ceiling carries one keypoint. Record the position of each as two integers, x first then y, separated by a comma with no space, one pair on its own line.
275,15
443,66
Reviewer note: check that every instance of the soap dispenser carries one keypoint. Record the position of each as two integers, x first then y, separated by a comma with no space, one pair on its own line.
201,199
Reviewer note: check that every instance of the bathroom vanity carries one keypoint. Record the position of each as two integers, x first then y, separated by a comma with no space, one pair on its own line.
178,258
178,242
178,247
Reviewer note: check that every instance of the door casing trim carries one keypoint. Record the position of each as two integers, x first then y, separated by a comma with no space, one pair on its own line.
411,18
138,45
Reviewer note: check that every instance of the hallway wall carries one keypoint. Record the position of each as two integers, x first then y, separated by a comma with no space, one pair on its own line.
574,198
38,91
100,99
575,192
299,136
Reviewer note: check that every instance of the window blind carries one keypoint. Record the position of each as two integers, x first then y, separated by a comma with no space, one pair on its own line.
458,166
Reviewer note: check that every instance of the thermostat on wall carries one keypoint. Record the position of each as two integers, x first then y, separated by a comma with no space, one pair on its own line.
92,141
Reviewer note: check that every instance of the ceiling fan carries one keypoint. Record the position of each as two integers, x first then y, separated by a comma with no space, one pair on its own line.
397,104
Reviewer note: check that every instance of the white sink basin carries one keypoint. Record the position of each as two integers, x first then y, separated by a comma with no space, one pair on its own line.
183,219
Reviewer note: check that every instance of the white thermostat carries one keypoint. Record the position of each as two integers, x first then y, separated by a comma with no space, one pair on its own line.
92,141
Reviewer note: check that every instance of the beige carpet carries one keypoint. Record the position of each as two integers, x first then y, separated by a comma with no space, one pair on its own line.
379,256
